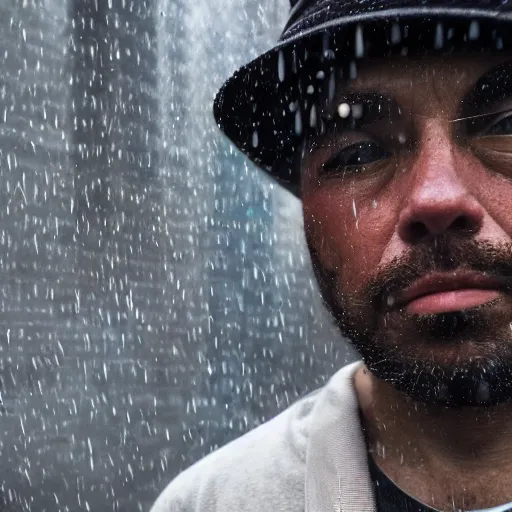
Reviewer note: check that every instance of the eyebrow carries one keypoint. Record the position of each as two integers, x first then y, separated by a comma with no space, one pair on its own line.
489,91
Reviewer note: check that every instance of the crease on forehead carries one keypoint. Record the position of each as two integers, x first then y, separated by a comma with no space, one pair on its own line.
426,84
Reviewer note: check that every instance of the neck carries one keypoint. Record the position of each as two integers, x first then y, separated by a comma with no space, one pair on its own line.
437,454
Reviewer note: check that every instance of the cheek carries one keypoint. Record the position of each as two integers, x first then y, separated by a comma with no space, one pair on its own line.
495,194
349,238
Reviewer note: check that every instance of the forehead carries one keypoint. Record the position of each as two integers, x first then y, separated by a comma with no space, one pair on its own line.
420,82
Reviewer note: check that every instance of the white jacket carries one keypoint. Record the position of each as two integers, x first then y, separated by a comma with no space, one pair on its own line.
312,457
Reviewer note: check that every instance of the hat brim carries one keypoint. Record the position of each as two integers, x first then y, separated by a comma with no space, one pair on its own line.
261,108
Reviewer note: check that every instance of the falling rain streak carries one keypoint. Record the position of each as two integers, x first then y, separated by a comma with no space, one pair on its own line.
156,294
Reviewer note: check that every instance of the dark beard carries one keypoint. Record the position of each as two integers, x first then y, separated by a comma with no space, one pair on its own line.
395,346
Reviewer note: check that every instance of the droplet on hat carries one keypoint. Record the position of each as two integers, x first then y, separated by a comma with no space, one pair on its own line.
359,42
310,89
255,139
474,30
344,110
320,75
312,117
280,66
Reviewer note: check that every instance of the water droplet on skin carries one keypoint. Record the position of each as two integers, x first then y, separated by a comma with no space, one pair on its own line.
402,138
312,117
354,210
374,204
255,139
280,66
474,30
344,110
359,42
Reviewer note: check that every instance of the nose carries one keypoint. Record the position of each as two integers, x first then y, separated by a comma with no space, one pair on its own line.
438,200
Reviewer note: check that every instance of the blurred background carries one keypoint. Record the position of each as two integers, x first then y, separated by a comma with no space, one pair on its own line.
157,299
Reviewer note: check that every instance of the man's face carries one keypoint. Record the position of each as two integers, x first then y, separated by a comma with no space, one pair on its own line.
408,218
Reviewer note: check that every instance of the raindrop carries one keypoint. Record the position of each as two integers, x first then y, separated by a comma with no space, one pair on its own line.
396,34
255,139
332,85
439,40
359,42
357,111
474,30
390,301
298,123
329,55
312,117
402,138
344,110
320,75
310,89
499,43
294,61
483,392
353,70
293,106
280,66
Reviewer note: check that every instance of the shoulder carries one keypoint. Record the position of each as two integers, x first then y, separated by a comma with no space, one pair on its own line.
263,468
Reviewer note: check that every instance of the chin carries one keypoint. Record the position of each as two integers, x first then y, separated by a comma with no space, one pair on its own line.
456,359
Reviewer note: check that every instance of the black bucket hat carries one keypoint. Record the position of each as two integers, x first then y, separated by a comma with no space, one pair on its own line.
267,106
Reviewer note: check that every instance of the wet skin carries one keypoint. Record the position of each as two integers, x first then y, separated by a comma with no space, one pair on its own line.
442,447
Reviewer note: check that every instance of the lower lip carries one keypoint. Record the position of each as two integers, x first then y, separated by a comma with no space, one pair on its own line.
454,300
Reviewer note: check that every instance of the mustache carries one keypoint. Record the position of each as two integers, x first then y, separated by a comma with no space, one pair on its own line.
444,254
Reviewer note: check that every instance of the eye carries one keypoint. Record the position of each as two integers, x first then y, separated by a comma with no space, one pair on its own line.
353,158
501,127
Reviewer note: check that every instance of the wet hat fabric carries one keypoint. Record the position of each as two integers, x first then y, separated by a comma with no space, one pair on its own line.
267,106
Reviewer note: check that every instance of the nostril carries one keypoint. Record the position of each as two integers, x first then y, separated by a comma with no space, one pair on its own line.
462,223
418,230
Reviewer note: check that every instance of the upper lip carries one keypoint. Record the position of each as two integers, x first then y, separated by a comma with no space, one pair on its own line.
443,282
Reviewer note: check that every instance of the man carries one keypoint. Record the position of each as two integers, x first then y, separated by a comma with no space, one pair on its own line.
393,124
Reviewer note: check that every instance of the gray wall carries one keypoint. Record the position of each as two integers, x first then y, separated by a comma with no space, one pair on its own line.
156,295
